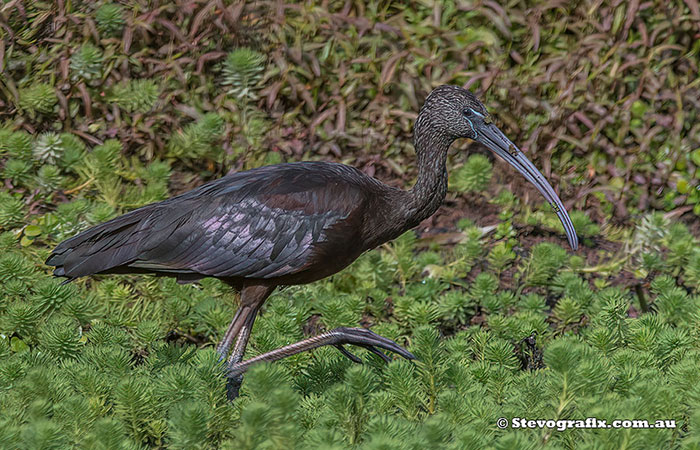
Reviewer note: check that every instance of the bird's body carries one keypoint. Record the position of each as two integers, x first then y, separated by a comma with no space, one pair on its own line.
275,225
291,224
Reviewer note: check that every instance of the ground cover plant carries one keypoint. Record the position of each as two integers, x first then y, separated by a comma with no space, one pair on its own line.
107,106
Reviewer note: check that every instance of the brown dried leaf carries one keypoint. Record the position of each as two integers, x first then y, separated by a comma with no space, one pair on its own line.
389,68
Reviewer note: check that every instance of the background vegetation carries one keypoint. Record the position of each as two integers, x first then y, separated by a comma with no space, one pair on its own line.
106,106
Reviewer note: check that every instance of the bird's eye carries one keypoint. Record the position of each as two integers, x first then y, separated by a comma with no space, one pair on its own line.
468,112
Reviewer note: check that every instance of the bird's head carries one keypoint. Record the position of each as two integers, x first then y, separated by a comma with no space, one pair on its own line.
452,112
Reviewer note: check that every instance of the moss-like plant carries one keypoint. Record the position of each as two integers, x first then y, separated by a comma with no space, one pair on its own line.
38,98
532,303
50,295
101,163
73,151
60,338
197,139
147,333
500,257
17,171
545,260
501,327
12,210
49,178
473,176
456,307
135,95
20,318
86,62
242,70
101,212
691,270
484,285
466,252
16,144
583,224
110,18
48,148
567,312
650,232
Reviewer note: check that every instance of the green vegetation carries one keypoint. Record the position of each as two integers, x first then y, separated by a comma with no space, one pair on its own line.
107,106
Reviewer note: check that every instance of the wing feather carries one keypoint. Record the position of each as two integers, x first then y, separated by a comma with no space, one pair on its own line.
261,223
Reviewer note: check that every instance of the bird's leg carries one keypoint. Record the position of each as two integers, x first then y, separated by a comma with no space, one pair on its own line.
242,339
233,384
252,297
233,330
338,337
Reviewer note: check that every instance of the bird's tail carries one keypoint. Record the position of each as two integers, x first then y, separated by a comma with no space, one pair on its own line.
102,247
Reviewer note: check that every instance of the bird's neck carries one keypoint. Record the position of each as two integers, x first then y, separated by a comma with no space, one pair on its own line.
431,187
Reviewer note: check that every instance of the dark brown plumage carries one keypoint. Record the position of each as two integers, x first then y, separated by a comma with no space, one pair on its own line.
290,224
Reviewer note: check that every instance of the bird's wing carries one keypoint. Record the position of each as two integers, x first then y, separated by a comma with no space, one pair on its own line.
256,224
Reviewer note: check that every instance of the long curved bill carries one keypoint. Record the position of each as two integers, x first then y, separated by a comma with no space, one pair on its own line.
495,140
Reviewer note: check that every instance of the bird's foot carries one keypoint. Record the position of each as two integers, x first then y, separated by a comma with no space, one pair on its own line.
369,340
233,386
338,337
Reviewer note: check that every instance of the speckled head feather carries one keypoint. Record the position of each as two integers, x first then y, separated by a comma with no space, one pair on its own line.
447,110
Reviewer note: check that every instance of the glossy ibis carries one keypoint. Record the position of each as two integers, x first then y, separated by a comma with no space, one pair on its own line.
291,224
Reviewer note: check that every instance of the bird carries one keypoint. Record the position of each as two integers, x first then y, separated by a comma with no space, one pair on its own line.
290,224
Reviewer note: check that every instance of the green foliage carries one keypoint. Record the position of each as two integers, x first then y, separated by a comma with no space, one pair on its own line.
73,152
48,148
197,139
60,339
466,252
544,261
49,178
17,171
691,271
85,63
12,210
583,224
340,310
187,425
17,144
101,378
484,285
110,18
242,70
473,176
38,98
500,257
567,312
135,95
50,295
650,232
456,307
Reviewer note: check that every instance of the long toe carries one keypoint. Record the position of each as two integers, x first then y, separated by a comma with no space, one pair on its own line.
348,354
378,352
367,338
